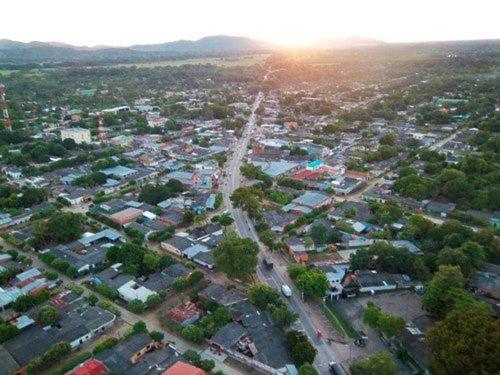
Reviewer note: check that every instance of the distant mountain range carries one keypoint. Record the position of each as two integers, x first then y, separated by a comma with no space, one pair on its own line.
17,52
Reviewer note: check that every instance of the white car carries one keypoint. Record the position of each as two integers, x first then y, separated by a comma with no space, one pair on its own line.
285,289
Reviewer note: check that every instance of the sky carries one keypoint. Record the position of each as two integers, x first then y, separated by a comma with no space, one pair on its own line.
285,22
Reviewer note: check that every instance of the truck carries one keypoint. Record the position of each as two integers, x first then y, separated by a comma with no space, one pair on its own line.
268,264
285,289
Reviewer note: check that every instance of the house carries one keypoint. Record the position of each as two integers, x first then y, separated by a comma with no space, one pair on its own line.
205,259
126,216
297,248
253,339
345,185
183,368
122,357
221,295
111,277
372,282
492,217
177,244
358,211
439,208
184,314
90,367
486,282
132,290
277,221
77,325
275,169
335,274
313,199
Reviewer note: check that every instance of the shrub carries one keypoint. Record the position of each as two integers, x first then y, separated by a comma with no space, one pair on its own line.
193,333
136,306
107,291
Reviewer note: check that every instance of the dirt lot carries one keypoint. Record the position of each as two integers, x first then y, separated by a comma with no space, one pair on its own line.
404,303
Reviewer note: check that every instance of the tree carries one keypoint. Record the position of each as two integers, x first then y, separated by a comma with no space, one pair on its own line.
64,227
313,283
152,301
262,295
302,353
296,269
360,260
23,303
237,257
307,369
140,327
372,314
435,295
225,220
48,315
179,284
222,316
195,277
193,333
376,364
465,342
282,316
157,336
136,306
391,325
319,234
8,331
150,262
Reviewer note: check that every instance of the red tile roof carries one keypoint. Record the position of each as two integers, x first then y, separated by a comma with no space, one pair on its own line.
91,367
182,368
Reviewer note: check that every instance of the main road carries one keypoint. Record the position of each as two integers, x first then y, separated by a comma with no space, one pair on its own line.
277,276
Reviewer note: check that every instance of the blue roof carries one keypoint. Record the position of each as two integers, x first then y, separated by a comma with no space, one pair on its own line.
106,233
32,272
311,199
9,295
119,170
275,168
315,164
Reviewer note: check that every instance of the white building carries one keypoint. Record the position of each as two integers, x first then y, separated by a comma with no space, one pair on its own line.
79,135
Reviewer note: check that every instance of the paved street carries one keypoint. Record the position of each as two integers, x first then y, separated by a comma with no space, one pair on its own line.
278,276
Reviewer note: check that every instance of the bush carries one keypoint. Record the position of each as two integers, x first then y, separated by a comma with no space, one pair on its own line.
140,327
55,353
93,299
195,277
157,336
153,301
107,291
136,306
71,364
7,331
75,288
193,333
51,275
48,315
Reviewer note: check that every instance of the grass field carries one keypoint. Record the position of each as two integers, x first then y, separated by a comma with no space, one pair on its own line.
246,60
